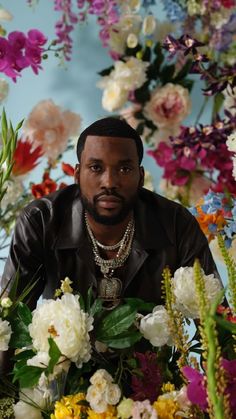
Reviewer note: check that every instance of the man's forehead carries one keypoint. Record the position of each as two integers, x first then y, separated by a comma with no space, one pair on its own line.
101,146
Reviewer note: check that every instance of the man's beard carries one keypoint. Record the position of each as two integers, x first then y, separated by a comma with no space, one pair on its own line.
127,207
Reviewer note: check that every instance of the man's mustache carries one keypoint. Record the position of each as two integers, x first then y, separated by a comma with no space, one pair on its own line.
108,193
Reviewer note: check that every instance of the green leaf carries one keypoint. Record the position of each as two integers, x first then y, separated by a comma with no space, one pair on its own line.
226,324
13,290
116,322
24,355
123,340
54,354
106,71
139,304
142,94
89,299
218,102
96,307
24,313
4,126
28,376
19,323
167,73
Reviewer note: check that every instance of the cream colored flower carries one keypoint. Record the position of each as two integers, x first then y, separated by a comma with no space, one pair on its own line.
4,89
130,74
155,327
148,181
6,302
67,323
128,23
114,96
149,25
102,392
185,291
51,128
15,189
231,142
112,394
128,6
168,105
5,334
132,40
99,376
124,408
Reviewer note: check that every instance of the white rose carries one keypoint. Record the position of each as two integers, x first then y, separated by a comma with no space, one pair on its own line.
5,334
149,25
155,327
185,291
168,105
231,142
23,409
100,375
112,394
114,96
67,323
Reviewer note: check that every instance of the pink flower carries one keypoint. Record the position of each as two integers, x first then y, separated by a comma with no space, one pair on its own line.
143,410
196,390
37,38
50,127
168,105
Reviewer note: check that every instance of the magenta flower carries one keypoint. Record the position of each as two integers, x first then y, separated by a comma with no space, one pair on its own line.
3,53
37,38
196,390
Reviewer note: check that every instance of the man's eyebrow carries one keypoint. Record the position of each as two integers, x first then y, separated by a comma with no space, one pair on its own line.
96,160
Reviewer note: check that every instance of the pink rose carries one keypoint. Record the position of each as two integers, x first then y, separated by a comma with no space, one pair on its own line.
50,127
168,105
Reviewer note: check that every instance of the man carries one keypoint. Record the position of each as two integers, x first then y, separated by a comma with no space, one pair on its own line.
106,231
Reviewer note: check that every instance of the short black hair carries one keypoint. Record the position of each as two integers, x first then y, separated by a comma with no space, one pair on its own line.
110,127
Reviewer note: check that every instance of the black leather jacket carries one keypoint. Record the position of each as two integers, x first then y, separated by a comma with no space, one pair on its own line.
50,236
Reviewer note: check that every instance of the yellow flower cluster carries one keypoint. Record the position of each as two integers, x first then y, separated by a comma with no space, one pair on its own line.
69,407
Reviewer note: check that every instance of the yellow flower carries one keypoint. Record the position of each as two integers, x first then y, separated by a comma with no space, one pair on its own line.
68,407
110,413
166,408
65,285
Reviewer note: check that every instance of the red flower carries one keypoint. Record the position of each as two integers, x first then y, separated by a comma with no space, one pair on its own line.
148,383
46,187
25,157
68,169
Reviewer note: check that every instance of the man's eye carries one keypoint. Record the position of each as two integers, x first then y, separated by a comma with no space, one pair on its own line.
95,168
125,169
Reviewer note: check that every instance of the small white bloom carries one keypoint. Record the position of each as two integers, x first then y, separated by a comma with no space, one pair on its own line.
5,15
6,302
112,394
114,96
132,40
99,375
67,323
155,327
231,142
130,74
5,334
124,408
185,291
149,25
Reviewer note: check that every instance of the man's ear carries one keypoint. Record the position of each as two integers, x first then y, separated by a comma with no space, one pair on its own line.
142,175
77,173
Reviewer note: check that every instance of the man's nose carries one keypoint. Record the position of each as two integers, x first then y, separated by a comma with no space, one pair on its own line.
109,179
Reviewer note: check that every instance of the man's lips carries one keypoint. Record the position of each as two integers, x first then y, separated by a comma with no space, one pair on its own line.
109,201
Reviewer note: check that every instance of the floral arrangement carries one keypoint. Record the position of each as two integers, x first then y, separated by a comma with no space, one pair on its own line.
75,359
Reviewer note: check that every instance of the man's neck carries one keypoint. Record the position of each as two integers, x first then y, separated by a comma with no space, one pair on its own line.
108,234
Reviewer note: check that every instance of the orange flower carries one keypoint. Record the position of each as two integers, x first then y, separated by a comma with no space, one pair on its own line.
46,187
68,169
25,157
205,220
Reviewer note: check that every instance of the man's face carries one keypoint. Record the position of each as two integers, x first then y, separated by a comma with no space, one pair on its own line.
109,177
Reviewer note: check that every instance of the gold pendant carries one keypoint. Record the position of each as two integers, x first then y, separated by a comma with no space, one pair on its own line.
109,289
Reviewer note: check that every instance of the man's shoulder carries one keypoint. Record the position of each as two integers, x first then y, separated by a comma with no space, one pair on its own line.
159,202
56,202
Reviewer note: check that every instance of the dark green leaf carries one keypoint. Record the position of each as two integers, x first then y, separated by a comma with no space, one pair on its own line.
147,54
116,322
24,314
28,376
123,340
226,324
54,354
139,304
218,102
167,73
142,94
89,299
96,307
24,355
106,71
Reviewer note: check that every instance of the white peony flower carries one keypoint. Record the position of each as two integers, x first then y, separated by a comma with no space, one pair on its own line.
128,23
5,334
231,142
155,327
67,323
149,25
185,291
130,74
31,401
